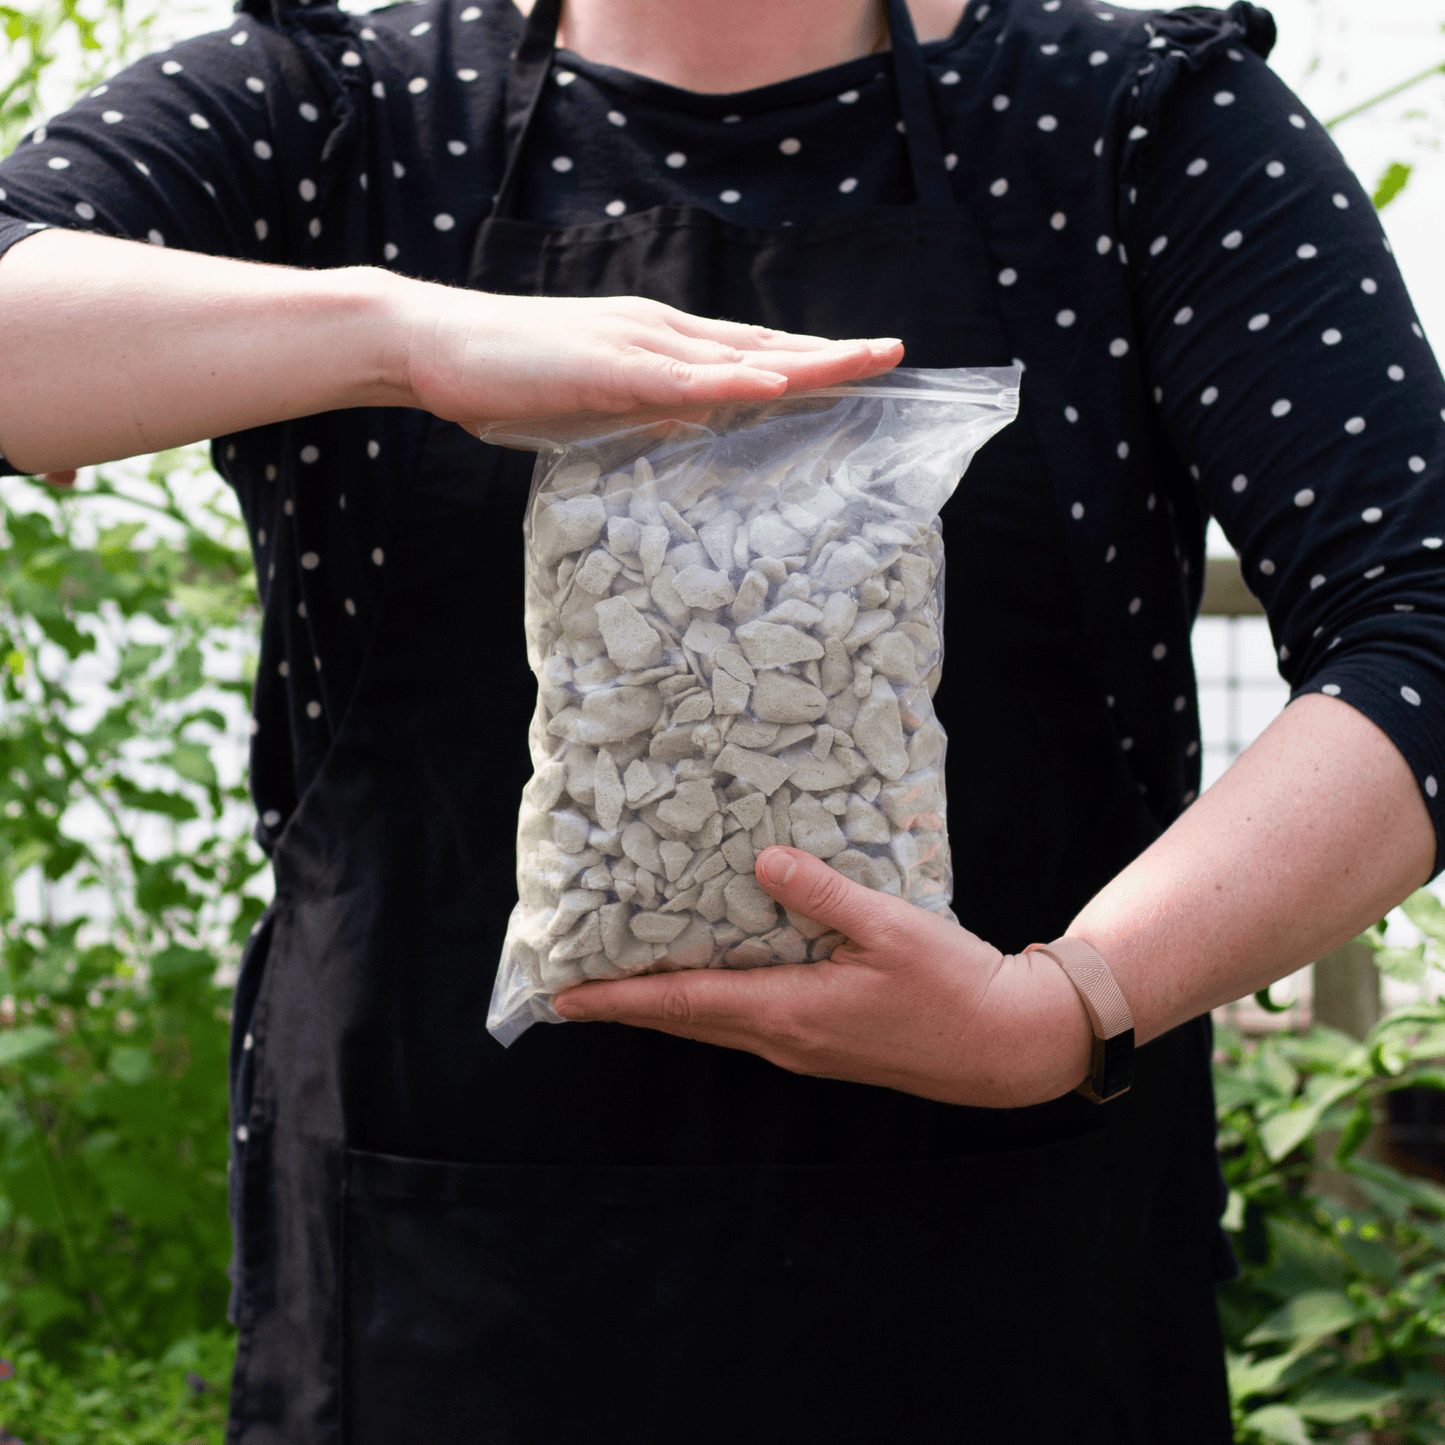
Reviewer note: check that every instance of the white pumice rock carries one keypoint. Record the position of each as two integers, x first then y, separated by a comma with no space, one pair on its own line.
731,660
597,574
704,638
752,597
717,537
639,843
878,731
566,525
770,536
630,642
758,770
676,855
699,587
651,551
863,823
814,828
748,809
873,592
789,734
574,904
569,830
836,671
847,566
729,694
868,626
690,807
656,927
599,878
786,944
892,654
794,610
676,522
748,907
692,709
694,946
714,864
750,733
584,939
711,902
781,698
775,644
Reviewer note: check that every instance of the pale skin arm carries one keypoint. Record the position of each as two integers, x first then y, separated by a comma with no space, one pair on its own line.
114,348
1316,832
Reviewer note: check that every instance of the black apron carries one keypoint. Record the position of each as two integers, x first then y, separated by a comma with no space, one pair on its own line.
607,1236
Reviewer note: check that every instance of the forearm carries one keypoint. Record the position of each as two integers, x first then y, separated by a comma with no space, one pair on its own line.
113,348
1315,832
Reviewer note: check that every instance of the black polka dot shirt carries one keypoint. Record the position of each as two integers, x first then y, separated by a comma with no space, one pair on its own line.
1206,307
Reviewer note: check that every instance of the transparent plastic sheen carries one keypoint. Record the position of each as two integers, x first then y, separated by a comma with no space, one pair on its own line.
735,617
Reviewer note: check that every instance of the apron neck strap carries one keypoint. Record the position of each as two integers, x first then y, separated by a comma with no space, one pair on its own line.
532,63
920,123
526,80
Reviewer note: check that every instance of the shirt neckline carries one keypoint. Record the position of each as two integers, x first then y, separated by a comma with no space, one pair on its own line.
796,90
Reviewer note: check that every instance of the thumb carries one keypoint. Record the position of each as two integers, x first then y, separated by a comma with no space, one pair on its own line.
807,885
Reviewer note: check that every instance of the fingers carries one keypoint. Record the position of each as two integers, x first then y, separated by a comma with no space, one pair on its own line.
653,379
807,885
648,379
847,361
762,338
745,1009
60,479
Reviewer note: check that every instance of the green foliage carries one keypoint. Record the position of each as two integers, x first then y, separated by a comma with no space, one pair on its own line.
1393,180
1339,1318
103,33
106,1398
126,618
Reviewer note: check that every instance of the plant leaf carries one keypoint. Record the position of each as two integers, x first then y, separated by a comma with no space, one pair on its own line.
1392,181
1426,912
1335,1401
1279,1422
1308,1316
1285,1131
130,1065
25,1043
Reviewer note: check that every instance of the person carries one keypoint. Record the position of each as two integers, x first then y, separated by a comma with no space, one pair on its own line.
862,1199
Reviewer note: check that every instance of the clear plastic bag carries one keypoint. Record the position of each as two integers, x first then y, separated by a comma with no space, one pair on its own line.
735,618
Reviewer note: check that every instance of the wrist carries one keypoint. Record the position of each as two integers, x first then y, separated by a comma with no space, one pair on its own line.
373,316
1043,1038
1111,1063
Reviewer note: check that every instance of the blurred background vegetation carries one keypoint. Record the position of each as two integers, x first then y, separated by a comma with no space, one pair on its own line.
129,882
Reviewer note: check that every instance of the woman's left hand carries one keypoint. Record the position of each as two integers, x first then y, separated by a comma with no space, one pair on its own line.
909,1001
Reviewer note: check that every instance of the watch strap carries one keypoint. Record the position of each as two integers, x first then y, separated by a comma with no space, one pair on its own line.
1111,1064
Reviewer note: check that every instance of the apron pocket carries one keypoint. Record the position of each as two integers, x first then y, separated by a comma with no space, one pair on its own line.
568,1305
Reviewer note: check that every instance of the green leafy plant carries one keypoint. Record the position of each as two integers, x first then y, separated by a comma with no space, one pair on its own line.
111,1398
127,613
1338,1320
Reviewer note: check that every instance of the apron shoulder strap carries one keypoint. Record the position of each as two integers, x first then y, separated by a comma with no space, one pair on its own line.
531,65
920,122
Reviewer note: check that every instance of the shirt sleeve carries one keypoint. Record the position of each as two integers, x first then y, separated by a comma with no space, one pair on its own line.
213,146
1293,378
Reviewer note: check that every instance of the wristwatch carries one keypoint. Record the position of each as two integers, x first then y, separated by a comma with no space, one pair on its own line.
1111,1065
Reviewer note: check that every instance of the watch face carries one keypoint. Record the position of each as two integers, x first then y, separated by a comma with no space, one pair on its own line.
1118,1070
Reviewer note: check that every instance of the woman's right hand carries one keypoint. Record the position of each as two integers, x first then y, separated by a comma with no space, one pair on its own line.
474,357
